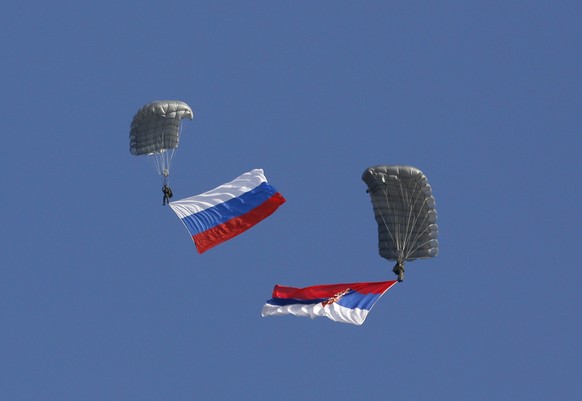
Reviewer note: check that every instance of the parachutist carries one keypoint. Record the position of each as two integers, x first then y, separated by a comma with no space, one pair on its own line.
399,270
167,194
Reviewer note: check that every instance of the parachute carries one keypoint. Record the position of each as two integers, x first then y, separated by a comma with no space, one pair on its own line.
155,132
404,209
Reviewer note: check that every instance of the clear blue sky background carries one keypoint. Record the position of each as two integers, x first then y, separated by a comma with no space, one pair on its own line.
102,294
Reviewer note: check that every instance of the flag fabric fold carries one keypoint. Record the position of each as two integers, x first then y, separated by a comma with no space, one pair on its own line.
218,215
344,303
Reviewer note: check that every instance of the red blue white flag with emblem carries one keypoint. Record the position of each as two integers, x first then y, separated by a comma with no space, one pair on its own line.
218,215
344,303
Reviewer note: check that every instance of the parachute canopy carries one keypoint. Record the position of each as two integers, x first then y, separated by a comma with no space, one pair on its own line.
155,131
404,208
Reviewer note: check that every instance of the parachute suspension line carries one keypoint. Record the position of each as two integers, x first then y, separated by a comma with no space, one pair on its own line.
166,161
404,227
377,207
400,240
161,162
170,158
426,229
411,200
418,191
167,156
157,161
383,218
173,150
406,203
400,237
420,245
164,158
154,159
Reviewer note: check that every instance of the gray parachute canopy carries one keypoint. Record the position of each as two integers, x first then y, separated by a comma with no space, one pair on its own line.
404,208
155,131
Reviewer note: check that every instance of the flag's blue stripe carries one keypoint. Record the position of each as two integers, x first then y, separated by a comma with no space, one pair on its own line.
223,212
351,300
291,301
357,300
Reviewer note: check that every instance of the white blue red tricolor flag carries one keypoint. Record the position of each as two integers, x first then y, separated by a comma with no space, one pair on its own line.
228,210
345,303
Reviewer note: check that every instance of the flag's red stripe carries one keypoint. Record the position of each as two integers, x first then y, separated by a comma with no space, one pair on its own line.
225,231
326,291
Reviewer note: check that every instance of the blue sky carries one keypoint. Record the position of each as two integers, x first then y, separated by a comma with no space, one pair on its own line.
102,294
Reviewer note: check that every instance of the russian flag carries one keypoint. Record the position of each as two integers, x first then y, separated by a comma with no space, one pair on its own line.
344,303
228,210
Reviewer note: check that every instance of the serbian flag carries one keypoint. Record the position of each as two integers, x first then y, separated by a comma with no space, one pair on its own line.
228,210
344,303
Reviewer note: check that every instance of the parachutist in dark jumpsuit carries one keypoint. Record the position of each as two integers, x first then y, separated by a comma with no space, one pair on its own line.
167,194
399,270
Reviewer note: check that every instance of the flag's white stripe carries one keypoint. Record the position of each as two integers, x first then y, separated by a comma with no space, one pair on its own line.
223,193
333,311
